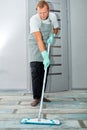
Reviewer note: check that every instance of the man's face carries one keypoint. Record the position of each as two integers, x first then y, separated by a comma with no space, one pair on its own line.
43,13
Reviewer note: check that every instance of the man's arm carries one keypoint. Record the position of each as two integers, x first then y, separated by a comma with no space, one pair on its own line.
55,30
41,45
39,40
50,40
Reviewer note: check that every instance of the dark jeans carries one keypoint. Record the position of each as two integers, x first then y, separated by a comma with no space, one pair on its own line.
37,73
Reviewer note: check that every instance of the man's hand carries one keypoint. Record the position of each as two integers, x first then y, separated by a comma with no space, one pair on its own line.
46,60
50,40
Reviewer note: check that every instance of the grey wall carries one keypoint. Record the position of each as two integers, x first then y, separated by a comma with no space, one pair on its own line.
13,73
13,57
78,18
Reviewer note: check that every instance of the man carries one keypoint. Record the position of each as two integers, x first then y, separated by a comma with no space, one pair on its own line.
43,28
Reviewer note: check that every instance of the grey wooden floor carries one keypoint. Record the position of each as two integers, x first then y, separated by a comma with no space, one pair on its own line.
70,107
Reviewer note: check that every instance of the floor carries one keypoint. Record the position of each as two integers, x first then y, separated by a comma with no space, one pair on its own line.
70,107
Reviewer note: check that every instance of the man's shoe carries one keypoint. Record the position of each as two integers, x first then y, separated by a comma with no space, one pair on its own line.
46,100
35,102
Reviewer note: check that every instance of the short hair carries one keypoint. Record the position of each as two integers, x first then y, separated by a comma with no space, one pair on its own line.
41,4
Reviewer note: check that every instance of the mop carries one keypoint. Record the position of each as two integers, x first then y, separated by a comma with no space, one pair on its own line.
39,120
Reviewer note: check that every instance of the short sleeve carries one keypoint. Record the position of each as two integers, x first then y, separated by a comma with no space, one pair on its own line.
34,24
54,20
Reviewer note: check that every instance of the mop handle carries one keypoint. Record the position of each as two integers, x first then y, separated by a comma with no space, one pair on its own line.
44,81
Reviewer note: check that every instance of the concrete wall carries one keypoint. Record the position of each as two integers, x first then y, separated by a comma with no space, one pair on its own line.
78,18
13,73
13,62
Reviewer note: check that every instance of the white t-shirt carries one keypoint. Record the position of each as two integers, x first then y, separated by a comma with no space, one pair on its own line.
35,22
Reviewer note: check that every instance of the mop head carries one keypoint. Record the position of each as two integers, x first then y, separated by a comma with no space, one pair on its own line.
41,122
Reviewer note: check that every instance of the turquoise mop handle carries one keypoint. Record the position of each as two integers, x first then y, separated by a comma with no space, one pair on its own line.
44,81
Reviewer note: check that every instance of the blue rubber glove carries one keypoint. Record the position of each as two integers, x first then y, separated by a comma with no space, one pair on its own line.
46,60
50,40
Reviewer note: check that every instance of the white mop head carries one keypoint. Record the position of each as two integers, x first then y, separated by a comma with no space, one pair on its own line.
41,122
